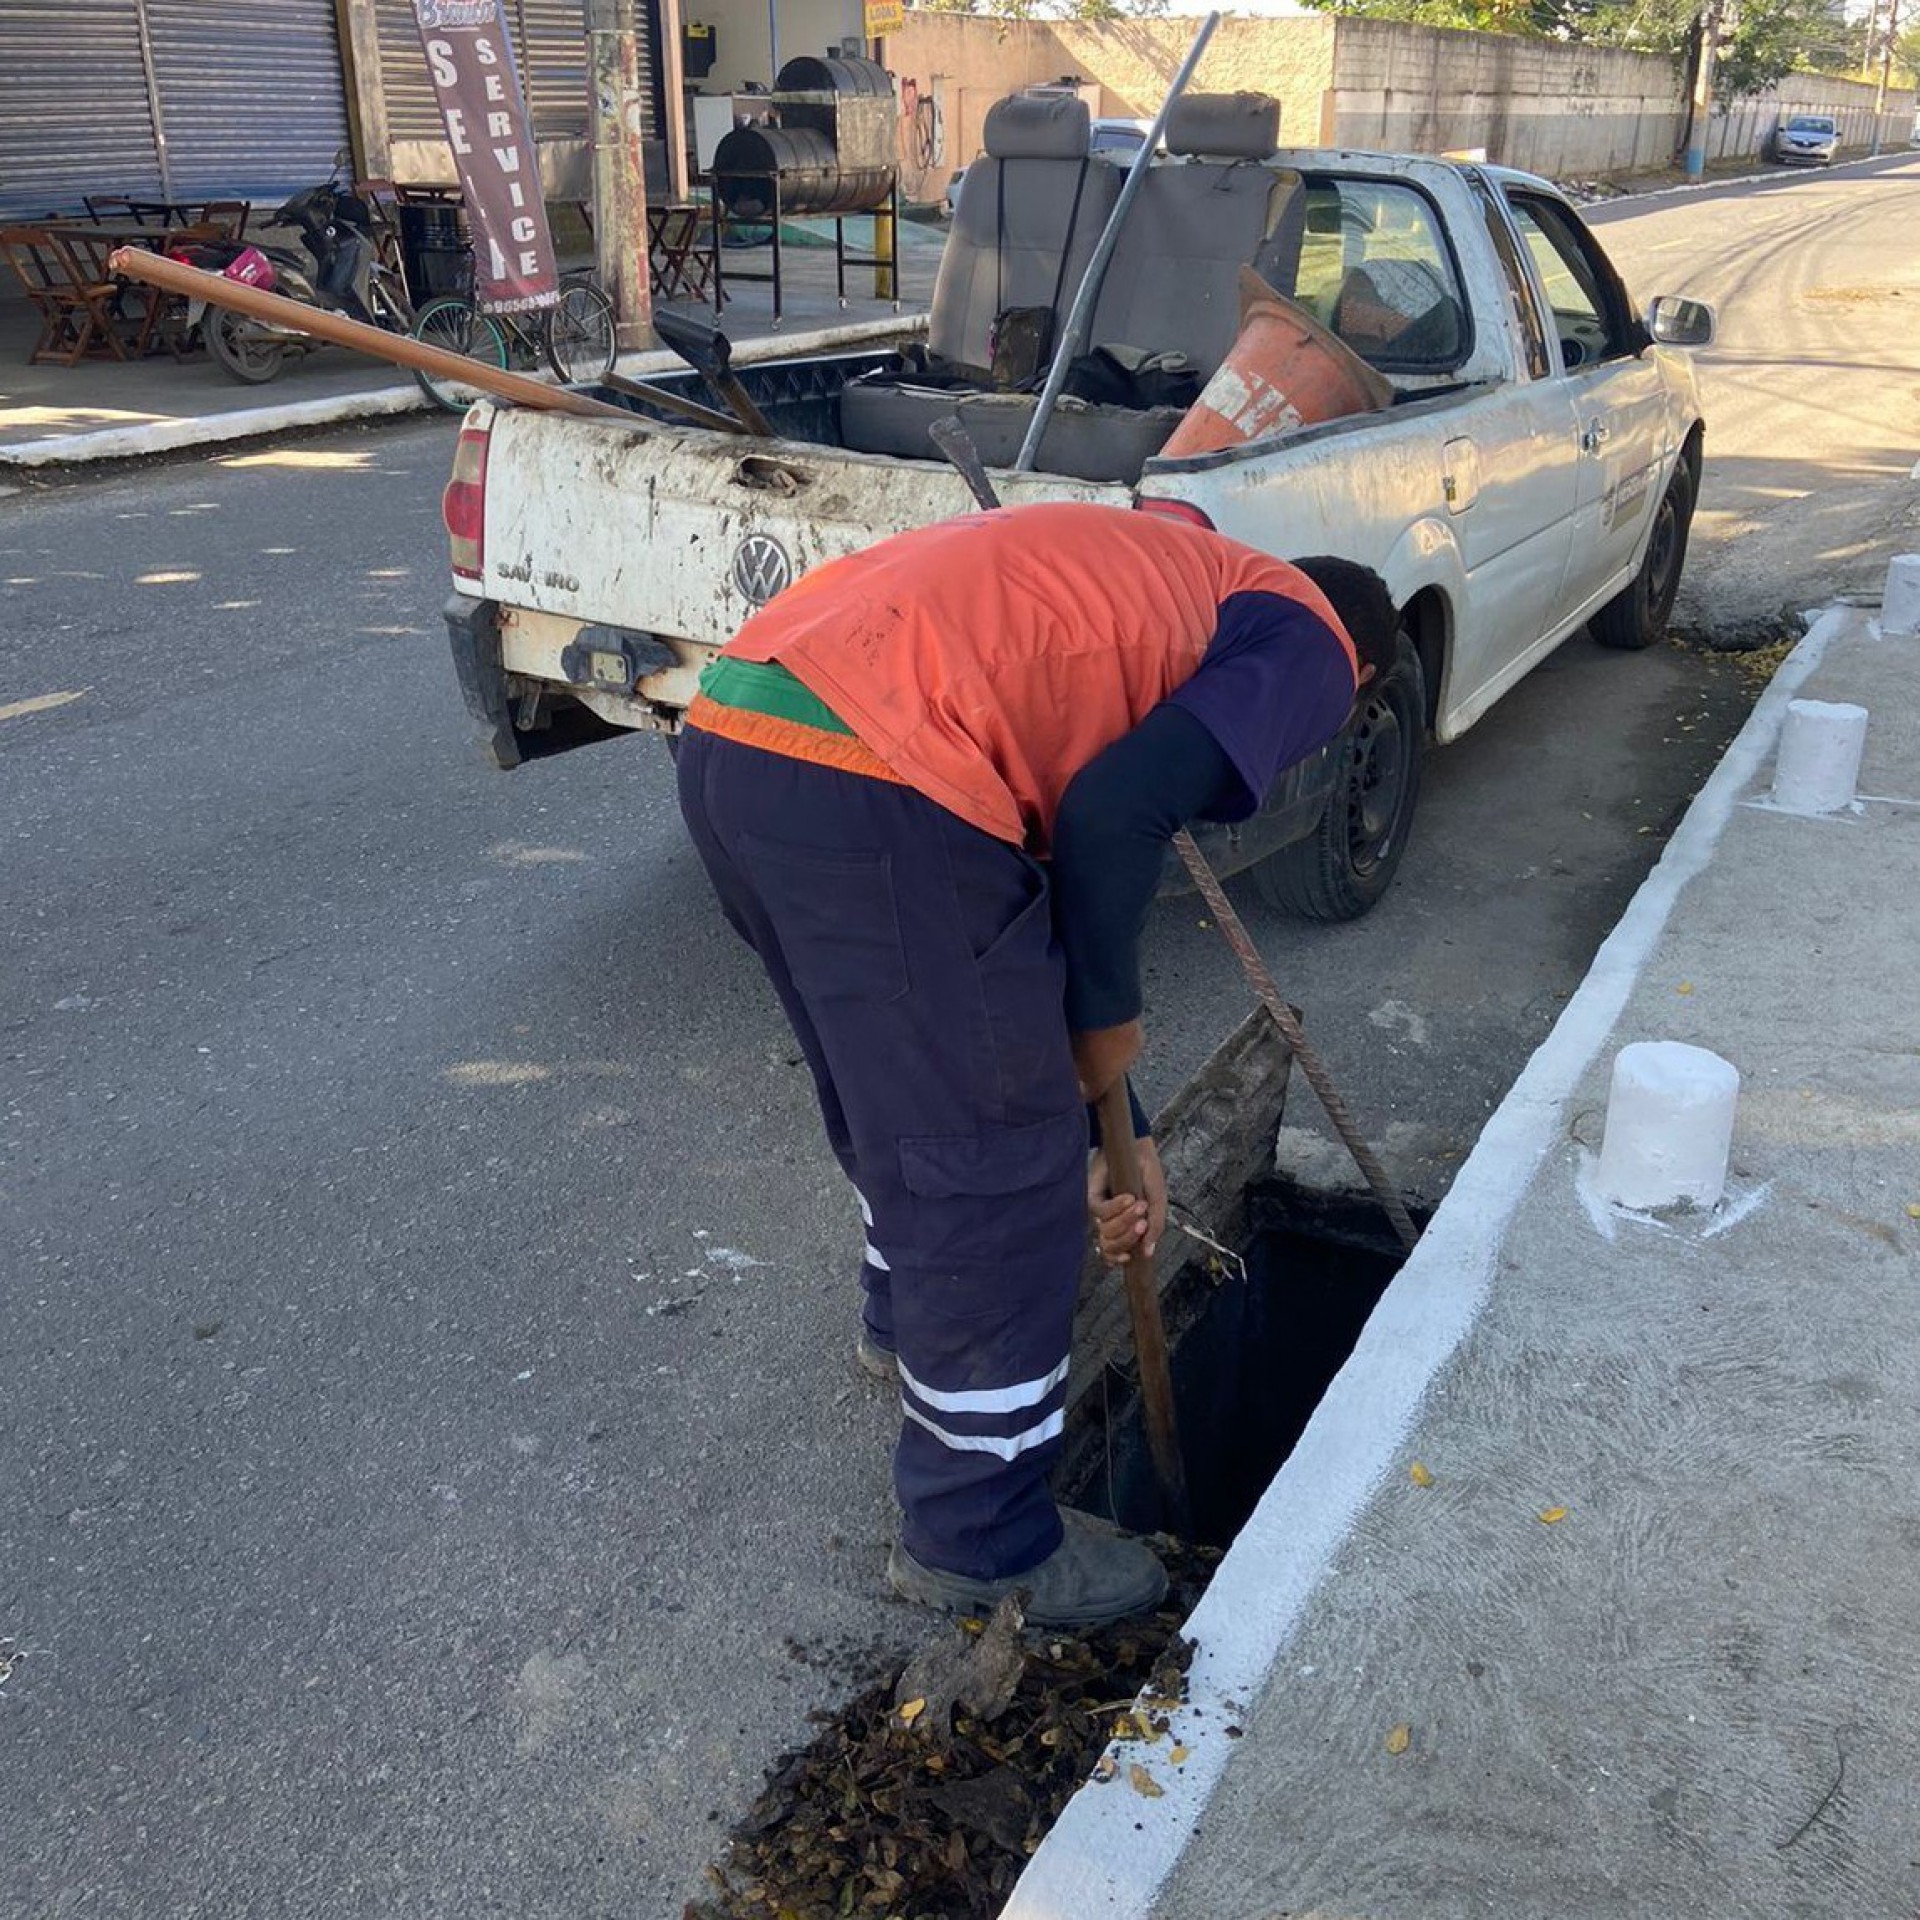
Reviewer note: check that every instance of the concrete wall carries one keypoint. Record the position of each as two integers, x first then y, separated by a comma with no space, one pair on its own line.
1570,112
1565,111
950,68
1744,128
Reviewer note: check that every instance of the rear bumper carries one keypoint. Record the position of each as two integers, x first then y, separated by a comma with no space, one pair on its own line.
518,720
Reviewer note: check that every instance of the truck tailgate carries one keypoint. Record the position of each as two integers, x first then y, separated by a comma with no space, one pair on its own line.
686,533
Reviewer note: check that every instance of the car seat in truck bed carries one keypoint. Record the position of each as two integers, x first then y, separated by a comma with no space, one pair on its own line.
1171,289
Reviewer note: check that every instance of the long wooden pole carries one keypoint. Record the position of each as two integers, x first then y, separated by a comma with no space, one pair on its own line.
138,263
1284,1017
1143,1308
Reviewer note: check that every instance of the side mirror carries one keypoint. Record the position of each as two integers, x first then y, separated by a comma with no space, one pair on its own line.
1675,321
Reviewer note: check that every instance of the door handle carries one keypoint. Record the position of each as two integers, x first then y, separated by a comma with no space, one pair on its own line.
1595,435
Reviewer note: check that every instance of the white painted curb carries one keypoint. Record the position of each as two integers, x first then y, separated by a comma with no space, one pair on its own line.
1111,1850
1762,172
247,423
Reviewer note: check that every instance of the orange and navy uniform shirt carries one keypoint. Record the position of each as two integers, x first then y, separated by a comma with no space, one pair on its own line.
985,661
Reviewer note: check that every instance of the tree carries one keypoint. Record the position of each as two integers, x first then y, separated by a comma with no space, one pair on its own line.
1048,9
1761,41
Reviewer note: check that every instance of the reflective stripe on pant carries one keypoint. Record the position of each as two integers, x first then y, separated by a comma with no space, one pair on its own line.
914,956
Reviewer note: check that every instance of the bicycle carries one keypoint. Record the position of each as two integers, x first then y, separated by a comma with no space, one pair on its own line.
575,336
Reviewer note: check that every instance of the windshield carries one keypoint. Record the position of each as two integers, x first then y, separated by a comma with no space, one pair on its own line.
1809,123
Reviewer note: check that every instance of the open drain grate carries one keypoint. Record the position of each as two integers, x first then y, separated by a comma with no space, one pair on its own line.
1254,1351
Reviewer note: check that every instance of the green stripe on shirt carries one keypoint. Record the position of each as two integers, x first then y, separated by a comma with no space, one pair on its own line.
754,686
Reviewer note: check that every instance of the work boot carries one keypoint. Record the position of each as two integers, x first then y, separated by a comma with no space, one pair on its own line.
1095,1575
875,1359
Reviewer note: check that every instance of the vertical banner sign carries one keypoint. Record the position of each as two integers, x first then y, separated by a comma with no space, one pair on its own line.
470,58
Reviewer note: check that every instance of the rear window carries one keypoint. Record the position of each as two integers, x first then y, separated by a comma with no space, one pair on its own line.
1375,268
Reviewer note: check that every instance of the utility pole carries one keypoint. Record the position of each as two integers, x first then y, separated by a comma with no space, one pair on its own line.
1886,69
619,169
1702,105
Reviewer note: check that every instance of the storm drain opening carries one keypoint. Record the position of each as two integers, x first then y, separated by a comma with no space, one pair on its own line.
1255,1345
929,1791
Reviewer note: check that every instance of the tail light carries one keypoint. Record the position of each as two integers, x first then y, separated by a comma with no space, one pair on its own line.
1175,510
464,505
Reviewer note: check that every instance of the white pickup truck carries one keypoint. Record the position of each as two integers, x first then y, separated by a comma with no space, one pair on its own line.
1535,471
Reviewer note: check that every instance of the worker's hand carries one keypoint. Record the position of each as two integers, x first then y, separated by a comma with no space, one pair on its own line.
1124,1221
1102,1056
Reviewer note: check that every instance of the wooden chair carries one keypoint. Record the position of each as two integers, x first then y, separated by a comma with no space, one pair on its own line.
680,253
145,316
230,217
76,307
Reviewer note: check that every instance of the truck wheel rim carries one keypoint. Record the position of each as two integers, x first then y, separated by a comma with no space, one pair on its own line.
1660,551
1375,781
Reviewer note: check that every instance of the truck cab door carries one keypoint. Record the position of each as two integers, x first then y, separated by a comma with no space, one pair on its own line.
1518,555
1616,394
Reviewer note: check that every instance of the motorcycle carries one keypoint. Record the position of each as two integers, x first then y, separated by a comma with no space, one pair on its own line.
347,275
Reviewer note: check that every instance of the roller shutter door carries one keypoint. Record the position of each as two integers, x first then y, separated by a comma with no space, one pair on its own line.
412,113
550,44
251,97
74,115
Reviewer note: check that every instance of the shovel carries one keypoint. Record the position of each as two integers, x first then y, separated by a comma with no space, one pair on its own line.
709,353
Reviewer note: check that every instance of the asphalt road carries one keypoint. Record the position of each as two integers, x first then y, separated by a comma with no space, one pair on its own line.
436,1482
1813,387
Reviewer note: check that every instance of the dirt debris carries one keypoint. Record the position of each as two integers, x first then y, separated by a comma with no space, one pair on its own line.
890,1813
1755,648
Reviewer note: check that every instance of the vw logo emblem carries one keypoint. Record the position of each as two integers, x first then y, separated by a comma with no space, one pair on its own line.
761,568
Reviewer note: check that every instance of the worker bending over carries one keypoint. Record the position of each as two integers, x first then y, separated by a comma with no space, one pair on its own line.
933,784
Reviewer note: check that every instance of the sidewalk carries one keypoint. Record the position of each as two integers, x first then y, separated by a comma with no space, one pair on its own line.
109,409
1639,1640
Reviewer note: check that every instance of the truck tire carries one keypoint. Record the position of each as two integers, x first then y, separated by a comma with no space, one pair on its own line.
1637,617
1346,864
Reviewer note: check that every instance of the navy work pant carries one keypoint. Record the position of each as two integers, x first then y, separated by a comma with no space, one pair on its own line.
915,957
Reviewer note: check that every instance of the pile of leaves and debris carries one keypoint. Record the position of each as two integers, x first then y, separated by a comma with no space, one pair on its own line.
1757,646
923,1798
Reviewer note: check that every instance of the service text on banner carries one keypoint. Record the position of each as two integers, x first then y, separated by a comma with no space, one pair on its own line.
470,59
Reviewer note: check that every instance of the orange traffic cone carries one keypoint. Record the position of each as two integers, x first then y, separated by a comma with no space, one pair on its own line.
1284,370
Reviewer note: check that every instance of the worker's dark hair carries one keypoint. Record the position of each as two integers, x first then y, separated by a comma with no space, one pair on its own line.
1359,596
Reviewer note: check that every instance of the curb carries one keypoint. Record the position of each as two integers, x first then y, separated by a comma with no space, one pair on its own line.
1761,172
247,423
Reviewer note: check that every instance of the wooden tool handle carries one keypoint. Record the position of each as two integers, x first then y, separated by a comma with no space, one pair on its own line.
138,263
1143,1306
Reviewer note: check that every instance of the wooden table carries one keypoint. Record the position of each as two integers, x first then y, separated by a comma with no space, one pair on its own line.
231,216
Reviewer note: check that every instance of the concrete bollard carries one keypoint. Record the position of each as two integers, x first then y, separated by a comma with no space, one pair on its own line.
1819,757
1900,604
1669,1126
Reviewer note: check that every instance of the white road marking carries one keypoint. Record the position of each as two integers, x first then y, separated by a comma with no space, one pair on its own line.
40,703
